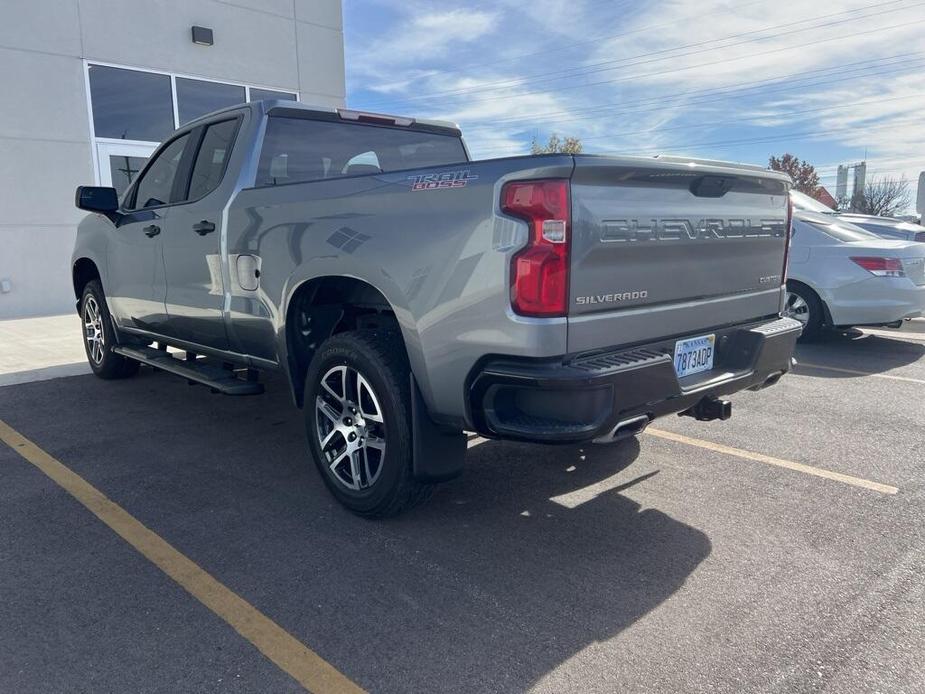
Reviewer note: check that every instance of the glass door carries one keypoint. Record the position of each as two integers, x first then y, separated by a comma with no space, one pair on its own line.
121,162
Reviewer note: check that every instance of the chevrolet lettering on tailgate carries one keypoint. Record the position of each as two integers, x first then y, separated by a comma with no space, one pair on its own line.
685,229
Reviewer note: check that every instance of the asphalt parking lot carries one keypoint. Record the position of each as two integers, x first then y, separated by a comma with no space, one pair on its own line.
781,551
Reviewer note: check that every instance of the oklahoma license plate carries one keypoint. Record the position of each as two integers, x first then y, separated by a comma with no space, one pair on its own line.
694,355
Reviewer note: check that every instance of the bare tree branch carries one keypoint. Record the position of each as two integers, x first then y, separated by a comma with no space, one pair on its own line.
882,197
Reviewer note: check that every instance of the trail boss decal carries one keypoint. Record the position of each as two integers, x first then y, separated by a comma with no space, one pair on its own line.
441,181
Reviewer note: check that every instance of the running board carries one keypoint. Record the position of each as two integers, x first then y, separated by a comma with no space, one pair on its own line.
218,379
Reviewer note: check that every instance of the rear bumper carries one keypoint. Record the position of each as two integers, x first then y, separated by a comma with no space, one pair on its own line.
875,301
583,397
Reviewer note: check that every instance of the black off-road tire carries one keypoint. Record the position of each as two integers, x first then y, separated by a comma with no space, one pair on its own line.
103,361
379,357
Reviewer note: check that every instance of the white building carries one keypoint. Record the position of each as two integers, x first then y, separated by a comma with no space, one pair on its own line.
91,86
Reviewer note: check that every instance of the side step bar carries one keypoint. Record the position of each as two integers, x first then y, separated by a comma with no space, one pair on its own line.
217,378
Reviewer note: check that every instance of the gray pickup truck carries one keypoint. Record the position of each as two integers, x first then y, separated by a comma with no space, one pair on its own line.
408,295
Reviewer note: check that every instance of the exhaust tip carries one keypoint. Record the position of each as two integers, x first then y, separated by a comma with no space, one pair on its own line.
625,429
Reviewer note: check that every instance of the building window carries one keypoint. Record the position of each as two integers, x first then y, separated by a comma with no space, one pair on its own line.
196,98
259,94
132,111
130,105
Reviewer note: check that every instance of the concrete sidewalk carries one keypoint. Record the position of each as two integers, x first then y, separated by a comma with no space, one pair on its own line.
36,349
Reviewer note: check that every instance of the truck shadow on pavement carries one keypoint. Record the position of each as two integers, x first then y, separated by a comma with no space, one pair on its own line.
535,554
562,558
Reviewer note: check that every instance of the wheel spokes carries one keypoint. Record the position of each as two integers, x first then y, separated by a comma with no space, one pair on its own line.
377,443
93,330
355,473
367,403
325,408
326,441
796,307
350,426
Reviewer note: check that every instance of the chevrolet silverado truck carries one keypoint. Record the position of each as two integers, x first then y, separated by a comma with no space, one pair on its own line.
408,295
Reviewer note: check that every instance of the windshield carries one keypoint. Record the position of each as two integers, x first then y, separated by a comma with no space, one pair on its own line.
802,201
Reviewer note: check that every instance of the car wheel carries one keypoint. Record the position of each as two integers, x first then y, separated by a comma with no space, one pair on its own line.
358,420
100,336
803,305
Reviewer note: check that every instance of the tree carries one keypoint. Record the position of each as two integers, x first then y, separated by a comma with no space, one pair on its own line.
570,145
805,178
882,197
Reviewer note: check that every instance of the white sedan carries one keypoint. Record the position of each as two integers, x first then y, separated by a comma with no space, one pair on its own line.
841,276
884,227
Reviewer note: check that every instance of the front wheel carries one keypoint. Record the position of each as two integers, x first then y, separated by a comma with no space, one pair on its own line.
358,420
99,336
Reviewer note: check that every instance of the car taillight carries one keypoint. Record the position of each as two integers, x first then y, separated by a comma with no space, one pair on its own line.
539,272
789,236
882,267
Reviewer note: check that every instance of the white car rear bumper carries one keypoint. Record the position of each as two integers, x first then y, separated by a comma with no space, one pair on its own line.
875,301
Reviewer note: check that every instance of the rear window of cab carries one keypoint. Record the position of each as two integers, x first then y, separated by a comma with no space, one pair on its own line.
301,149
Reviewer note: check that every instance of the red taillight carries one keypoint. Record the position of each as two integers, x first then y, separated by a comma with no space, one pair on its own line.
882,267
789,235
539,272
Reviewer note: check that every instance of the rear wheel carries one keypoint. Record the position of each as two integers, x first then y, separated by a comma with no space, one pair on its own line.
358,420
803,305
99,336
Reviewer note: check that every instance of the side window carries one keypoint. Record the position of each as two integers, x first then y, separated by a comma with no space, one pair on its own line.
156,182
292,151
212,159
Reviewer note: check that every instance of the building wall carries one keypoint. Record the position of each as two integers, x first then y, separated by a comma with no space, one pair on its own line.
45,133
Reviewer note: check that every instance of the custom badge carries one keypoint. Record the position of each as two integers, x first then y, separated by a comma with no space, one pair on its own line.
441,181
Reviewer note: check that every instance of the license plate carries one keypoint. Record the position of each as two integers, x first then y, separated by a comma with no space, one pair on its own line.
694,355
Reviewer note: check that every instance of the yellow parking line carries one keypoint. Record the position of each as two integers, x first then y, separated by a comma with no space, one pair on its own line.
854,372
288,653
779,462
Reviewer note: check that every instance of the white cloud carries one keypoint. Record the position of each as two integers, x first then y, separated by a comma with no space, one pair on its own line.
420,39
675,75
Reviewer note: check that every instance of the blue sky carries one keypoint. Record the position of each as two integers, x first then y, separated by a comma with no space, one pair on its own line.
717,79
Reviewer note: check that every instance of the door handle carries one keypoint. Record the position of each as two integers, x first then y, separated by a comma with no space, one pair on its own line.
204,227
152,230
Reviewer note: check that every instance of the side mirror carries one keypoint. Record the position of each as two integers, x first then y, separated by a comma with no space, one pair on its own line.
97,199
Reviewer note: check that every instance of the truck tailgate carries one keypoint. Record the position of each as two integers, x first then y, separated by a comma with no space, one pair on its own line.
670,247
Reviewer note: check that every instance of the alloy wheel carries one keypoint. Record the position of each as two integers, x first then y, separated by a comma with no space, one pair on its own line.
350,428
93,329
796,307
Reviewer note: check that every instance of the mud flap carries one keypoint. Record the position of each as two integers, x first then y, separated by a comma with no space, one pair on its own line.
439,454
